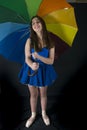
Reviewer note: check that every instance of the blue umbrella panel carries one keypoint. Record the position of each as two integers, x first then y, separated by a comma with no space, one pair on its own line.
13,37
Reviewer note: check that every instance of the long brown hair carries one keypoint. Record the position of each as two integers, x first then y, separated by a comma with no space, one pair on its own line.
46,37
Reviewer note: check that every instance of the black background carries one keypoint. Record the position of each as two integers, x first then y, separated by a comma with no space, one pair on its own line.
66,97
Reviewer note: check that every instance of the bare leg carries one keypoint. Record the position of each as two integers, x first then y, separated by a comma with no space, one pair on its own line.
43,96
33,103
33,98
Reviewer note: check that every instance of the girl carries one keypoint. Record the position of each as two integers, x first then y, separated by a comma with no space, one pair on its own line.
37,71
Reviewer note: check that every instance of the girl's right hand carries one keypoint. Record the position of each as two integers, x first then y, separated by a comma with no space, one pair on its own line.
35,66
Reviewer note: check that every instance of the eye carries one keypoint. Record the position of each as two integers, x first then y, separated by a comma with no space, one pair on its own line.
33,23
36,22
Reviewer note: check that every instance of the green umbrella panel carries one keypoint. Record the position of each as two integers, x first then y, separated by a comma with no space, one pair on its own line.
25,8
8,15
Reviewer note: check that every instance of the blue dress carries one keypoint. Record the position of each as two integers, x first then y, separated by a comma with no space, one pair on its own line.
45,75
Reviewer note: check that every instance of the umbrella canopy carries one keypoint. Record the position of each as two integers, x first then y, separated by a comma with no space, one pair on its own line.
14,25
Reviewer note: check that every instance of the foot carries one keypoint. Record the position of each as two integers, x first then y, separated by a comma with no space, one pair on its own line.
30,122
46,119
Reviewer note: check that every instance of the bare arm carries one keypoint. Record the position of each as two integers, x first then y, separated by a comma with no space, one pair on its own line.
28,60
27,53
49,60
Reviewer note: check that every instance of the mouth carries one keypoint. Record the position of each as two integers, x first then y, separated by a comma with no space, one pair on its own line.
37,28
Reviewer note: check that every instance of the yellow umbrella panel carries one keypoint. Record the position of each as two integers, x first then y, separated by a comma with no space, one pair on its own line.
60,21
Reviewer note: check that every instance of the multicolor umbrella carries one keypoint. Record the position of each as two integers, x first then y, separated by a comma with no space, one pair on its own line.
14,25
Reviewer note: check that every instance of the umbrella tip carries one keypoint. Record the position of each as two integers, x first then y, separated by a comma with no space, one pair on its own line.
66,8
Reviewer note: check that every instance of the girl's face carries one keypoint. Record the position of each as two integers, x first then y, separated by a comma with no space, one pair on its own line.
36,25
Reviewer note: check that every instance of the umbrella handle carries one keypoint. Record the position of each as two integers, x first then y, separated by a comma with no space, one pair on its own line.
35,72
32,74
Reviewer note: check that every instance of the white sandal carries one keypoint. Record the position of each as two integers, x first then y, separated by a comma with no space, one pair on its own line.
30,120
45,118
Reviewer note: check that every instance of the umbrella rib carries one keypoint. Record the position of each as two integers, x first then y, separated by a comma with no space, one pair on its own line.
24,35
21,18
23,29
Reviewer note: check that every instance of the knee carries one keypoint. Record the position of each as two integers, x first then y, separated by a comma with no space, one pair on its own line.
34,95
43,95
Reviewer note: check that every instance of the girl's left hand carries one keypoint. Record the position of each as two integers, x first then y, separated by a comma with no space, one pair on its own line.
35,55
